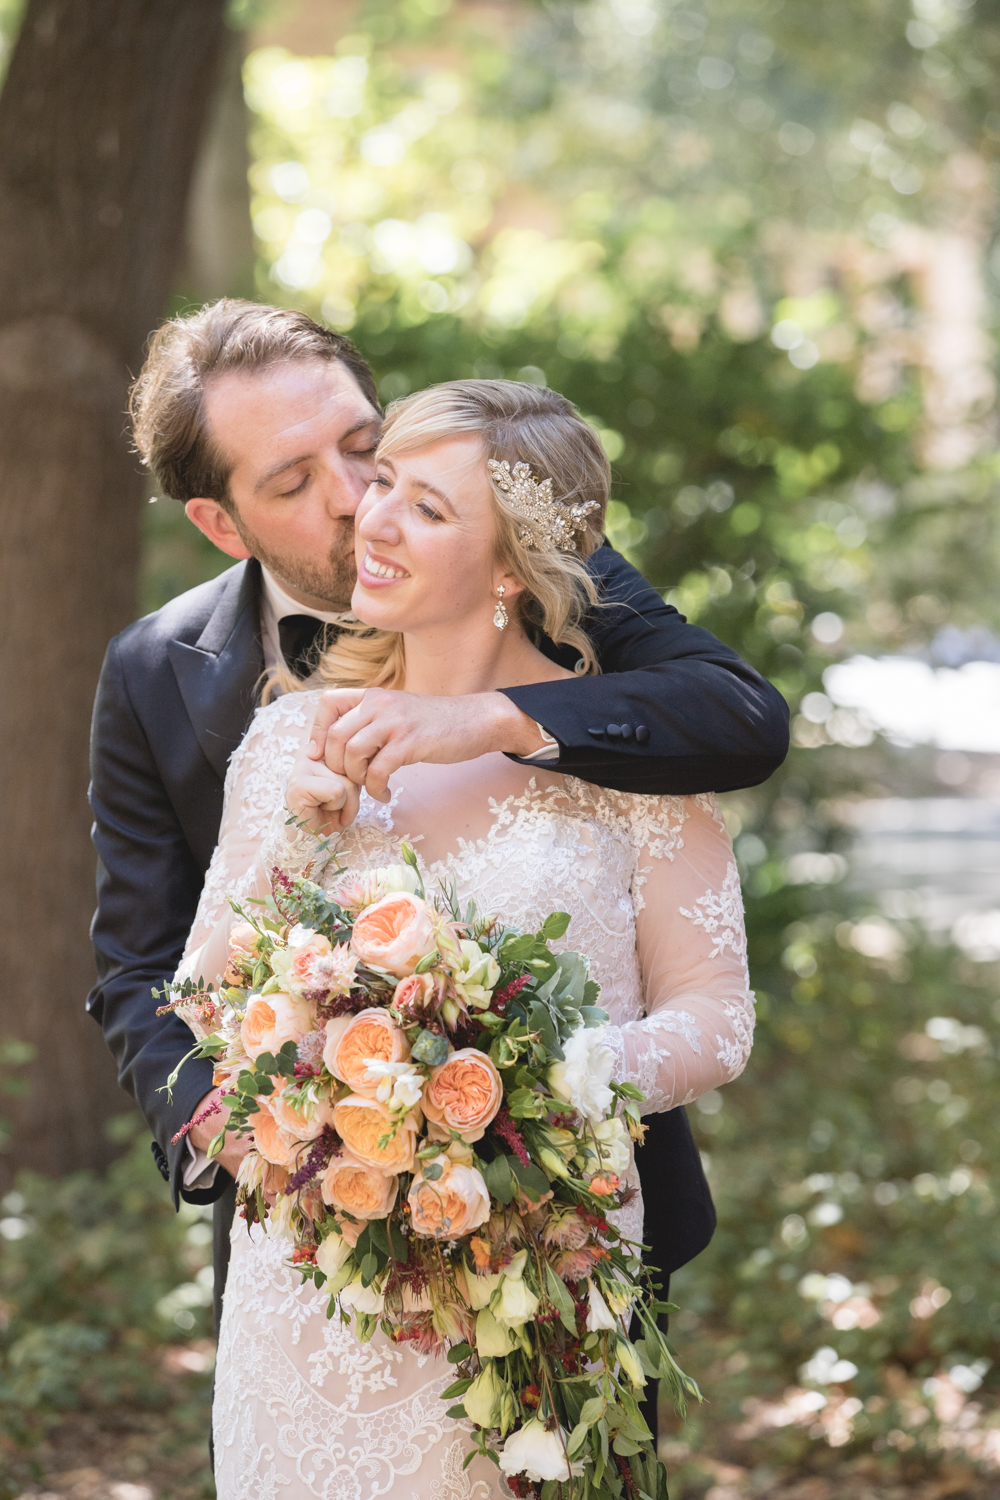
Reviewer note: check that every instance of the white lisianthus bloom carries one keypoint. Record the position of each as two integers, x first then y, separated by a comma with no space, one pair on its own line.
487,1397
582,1080
539,1454
477,975
332,1254
599,1315
613,1139
518,1303
481,1287
363,1299
493,1340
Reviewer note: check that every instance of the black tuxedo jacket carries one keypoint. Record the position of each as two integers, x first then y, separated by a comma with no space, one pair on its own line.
675,712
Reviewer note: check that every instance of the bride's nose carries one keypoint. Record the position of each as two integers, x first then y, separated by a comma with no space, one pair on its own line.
377,522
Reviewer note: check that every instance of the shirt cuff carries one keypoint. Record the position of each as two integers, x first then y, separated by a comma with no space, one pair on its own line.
199,1172
549,750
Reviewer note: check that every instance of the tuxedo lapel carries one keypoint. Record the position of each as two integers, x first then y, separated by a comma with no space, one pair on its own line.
219,675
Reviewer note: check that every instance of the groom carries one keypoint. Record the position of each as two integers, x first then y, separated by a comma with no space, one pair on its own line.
265,425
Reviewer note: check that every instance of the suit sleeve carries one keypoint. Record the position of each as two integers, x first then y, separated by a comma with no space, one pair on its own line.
673,712
147,893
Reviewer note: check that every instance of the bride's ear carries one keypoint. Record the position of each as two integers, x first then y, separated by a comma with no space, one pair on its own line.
511,586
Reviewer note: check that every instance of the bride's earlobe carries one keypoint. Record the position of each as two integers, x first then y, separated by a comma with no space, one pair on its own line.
500,615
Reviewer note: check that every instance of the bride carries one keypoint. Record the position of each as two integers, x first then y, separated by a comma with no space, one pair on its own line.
487,498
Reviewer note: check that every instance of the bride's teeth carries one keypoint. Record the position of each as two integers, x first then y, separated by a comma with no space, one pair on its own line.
382,570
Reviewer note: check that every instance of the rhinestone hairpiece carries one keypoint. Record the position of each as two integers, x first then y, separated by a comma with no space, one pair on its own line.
549,523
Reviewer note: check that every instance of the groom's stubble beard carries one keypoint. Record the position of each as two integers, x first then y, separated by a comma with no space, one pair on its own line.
331,579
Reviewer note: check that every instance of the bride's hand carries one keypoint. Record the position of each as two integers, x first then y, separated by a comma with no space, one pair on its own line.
319,797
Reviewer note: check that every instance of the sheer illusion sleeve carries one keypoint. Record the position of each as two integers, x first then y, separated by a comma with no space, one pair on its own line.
698,1027
255,834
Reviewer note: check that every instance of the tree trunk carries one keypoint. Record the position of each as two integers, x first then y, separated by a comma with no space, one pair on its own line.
219,255
100,117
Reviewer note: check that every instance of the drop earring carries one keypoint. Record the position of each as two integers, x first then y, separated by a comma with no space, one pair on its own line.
500,615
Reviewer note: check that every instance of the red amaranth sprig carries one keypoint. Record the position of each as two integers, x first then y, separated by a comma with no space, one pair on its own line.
502,998
210,1109
507,1131
322,1151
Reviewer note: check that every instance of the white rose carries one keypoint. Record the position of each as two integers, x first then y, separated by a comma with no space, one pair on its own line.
539,1454
582,1080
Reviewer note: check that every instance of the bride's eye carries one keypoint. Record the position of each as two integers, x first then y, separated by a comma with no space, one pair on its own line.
428,510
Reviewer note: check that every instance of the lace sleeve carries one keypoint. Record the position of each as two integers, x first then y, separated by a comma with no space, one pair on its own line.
698,1027
255,834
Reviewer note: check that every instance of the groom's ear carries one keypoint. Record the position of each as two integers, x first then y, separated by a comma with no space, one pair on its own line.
217,524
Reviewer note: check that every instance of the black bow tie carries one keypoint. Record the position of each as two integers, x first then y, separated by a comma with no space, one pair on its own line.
302,639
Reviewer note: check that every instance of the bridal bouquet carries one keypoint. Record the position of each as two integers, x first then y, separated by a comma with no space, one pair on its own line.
435,1124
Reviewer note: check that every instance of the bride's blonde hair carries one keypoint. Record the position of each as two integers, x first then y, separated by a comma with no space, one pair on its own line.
516,422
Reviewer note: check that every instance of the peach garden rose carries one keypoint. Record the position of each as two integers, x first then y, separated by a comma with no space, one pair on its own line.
453,1205
272,1020
464,1093
395,933
353,1040
305,1125
358,1189
360,1122
274,1144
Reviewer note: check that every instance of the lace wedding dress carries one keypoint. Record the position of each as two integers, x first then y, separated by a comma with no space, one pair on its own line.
301,1408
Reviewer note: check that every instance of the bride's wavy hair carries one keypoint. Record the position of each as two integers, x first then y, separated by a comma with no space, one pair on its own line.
516,422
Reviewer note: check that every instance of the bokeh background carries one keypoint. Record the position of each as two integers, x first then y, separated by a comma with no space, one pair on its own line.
754,241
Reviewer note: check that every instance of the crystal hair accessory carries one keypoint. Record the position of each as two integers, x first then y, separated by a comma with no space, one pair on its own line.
549,523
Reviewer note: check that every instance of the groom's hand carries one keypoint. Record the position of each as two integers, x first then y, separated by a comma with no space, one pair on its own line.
234,1148
367,733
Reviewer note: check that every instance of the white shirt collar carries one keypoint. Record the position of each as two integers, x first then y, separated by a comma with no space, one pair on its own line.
275,605
283,604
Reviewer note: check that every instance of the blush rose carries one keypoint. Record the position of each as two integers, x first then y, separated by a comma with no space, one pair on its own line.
395,933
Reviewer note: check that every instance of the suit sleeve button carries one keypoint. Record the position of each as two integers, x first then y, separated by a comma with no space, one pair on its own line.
597,733
641,734
614,731
626,731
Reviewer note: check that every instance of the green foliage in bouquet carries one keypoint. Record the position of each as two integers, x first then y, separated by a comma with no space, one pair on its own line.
436,1132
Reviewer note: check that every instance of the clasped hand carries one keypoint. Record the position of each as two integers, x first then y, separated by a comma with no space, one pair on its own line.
360,736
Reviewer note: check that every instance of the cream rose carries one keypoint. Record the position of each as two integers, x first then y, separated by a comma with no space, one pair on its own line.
304,1125
332,1254
351,1041
360,1122
464,1093
452,1205
395,933
272,1020
355,1188
540,1454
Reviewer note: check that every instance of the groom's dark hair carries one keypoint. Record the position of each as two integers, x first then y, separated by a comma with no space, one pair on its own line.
167,404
